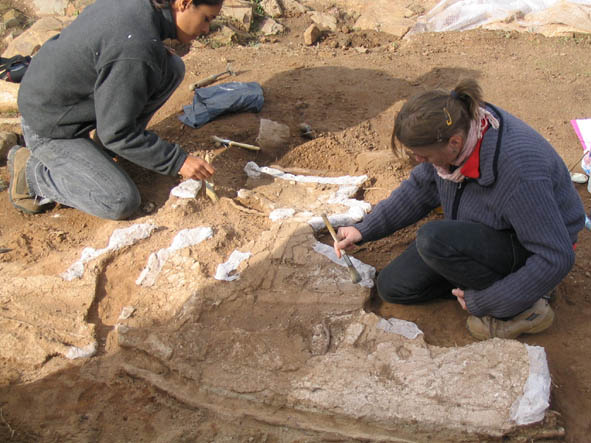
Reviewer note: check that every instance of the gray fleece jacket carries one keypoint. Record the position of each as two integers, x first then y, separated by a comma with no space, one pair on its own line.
99,73
524,185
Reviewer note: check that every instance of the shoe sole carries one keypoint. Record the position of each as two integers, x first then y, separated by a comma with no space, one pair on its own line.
548,320
10,161
476,335
542,326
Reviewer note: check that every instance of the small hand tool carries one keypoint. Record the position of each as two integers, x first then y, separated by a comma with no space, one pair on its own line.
212,78
208,188
230,143
355,277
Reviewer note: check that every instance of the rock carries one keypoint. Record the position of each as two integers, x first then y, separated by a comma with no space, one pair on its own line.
384,15
477,392
312,34
240,12
8,96
325,22
148,207
272,8
320,341
228,35
272,135
11,35
77,6
54,315
13,18
399,29
294,7
306,131
23,46
31,40
157,260
47,7
271,27
7,141
147,342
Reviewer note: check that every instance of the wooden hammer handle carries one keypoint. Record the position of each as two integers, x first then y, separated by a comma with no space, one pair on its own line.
212,78
245,146
207,80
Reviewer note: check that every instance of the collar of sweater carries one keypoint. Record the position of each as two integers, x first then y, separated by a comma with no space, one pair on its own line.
168,28
490,149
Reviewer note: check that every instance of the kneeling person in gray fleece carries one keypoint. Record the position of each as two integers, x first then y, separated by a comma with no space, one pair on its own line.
107,71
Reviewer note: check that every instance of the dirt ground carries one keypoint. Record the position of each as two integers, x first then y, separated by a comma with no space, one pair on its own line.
349,95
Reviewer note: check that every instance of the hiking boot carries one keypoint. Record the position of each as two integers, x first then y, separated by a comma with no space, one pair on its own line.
18,192
531,321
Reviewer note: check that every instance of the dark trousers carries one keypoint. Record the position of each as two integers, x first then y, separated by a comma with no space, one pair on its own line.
450,254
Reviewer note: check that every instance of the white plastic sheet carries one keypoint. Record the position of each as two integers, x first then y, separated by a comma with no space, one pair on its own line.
532,406
87,351
367,272
348,187
225,271
187,189
405,328
119,239
459,15
184,239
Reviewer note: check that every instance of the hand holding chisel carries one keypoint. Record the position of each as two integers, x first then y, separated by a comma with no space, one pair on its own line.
355,277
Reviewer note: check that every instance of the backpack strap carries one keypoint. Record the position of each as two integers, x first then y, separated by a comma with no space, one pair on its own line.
6,64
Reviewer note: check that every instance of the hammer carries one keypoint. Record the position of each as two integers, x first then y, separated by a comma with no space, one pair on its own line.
212,78
230,143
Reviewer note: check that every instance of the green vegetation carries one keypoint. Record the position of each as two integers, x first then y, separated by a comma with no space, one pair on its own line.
258,8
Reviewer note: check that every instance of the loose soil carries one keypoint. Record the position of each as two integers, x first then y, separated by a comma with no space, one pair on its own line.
348,93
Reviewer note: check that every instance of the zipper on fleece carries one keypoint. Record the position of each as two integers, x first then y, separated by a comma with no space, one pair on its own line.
457,197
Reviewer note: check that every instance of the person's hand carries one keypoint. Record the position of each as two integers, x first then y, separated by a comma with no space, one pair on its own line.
460,296
196,168
347,236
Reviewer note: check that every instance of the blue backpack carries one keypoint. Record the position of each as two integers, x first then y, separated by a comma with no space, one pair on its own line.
13,69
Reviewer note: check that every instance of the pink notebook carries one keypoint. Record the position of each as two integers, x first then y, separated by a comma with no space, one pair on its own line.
582,128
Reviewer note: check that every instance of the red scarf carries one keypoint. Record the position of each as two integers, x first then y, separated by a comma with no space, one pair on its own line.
471,168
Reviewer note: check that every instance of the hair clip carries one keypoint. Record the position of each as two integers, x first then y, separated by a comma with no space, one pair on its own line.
448,120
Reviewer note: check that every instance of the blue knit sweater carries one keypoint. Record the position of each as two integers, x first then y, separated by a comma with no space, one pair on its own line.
524,185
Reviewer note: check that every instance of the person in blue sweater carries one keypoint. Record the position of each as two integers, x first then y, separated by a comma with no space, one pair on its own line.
511,214
108,71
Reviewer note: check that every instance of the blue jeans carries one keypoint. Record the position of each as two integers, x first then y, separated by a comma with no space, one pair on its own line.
79,173
450,254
